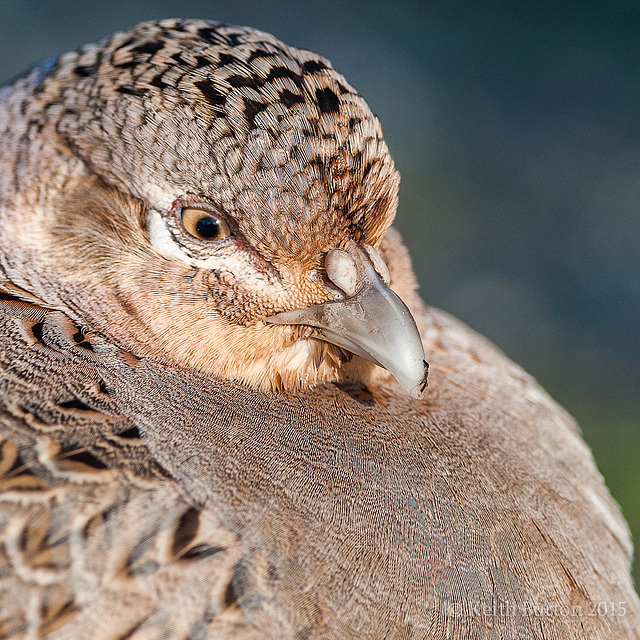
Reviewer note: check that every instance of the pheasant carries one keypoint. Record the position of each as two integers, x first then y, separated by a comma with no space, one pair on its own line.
215,419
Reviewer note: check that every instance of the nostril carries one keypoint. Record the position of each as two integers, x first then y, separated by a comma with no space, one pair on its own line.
342,271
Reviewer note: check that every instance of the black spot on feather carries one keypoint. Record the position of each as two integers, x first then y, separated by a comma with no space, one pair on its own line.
212,95
328,101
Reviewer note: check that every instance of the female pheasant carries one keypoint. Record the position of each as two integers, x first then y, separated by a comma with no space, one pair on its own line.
213,405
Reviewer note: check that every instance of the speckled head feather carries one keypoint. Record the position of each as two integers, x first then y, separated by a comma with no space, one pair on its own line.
260,128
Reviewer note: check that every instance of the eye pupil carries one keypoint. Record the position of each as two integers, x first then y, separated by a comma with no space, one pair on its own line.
203,225
208,227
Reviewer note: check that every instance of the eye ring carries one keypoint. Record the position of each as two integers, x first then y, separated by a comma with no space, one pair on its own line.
204,225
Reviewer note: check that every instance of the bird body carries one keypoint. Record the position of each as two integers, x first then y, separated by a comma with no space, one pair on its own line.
195,244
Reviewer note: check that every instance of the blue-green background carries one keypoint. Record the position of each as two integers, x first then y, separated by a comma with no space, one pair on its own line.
516,127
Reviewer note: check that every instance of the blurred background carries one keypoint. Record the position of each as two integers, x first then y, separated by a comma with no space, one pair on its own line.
516,128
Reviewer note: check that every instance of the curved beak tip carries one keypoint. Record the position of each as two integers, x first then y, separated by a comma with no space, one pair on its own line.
419,391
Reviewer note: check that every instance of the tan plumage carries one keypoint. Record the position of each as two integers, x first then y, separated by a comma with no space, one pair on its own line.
152,482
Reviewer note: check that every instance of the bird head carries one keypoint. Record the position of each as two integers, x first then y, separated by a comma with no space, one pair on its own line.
209,196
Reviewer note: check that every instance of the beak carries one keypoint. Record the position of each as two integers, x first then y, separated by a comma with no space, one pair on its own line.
370,320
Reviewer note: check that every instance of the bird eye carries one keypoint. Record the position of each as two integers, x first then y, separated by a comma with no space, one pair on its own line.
204,225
